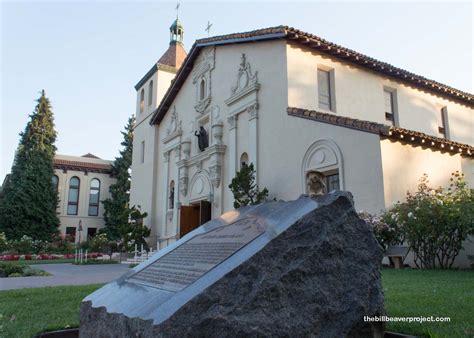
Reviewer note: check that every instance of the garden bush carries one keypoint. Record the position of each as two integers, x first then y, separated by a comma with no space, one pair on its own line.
16,270
6,269
15,274
435,222
4,243
60,245
386,233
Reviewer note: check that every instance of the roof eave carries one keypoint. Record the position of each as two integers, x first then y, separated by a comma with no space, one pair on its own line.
163,107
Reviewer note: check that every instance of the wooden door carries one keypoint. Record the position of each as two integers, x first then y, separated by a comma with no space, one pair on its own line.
205,212
189,219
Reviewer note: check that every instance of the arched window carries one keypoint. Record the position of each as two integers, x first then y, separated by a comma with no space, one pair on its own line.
202,90
55,181
323,158
142,100
73,197
94,195
244,160
150,93
171,196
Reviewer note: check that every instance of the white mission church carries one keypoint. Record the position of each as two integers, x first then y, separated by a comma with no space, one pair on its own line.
289,102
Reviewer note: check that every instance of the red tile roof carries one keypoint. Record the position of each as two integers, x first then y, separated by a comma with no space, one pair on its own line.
174,56
312,42
89,155
403,135
64,164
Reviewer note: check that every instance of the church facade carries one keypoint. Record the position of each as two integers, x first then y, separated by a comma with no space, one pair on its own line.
291,103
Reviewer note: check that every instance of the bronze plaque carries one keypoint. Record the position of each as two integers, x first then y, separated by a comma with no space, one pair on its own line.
188,262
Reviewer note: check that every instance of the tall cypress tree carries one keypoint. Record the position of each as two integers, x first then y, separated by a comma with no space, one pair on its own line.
116,208
29,201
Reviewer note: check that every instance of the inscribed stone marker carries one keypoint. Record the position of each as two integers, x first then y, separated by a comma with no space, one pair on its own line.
191,260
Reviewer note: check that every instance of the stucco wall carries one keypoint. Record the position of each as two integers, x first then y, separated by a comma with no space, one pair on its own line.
404,165
281,162
223,77
290,79
359,94
83,207
144,175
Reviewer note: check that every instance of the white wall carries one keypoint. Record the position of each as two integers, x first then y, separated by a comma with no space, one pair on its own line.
288,77
404,165
359,94
223,77
144,175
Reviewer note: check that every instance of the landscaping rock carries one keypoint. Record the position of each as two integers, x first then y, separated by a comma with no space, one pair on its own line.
318,277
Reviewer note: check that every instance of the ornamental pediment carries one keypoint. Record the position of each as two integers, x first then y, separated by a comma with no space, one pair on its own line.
245,83
175,128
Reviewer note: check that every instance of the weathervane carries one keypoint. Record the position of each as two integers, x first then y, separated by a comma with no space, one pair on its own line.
208,28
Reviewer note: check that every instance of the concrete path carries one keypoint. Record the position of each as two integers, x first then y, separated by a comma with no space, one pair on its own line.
66,274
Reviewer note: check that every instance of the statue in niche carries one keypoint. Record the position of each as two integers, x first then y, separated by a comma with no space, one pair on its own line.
315,183
203,138
171,197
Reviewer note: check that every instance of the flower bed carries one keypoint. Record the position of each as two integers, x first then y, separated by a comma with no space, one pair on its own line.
45,257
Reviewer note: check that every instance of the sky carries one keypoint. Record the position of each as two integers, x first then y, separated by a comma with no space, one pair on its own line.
88,55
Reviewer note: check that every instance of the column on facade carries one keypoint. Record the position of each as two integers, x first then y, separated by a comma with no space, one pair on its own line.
164,232
253,137
232,145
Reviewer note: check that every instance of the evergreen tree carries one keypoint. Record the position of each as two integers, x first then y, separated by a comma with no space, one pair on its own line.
244,188
116,208
29,200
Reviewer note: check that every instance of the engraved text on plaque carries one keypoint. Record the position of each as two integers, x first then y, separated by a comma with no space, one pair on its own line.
191,260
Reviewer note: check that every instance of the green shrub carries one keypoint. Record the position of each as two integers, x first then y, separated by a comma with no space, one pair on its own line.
244,188
386,233
18,270
435,222
61,245
96,261
33,272
15,274
9,268
4,243
99,243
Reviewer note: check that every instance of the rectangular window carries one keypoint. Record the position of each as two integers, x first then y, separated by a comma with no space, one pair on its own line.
73,196
443,123
142,154
91,232
332,182
325,94
71,234
389,106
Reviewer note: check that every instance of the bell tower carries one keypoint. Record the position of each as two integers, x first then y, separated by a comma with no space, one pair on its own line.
176,53
176,32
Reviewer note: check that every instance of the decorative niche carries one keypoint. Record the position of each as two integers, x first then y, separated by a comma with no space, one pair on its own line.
202,80
174,128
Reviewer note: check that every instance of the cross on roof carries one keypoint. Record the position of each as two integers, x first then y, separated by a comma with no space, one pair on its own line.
208,28
177,9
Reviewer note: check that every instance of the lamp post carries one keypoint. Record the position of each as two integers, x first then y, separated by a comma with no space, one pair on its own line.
79,230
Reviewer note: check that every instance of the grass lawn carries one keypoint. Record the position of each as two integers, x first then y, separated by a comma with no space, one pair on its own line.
408,293
42,261
26,312
414,293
